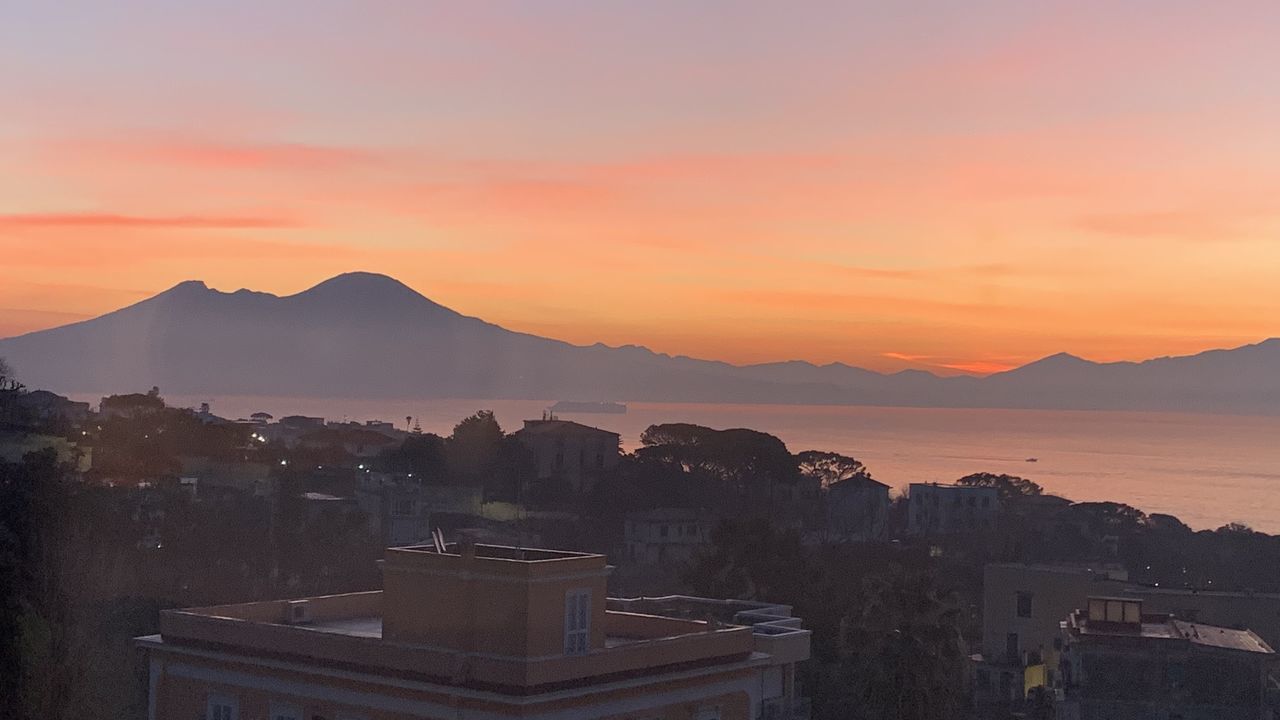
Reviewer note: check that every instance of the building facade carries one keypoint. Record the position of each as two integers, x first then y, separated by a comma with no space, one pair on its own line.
656,537
858,510
473,632
1120,662
570,451
934,509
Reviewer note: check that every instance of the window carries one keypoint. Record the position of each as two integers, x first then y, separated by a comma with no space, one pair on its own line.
1024,604
986,502
1011,648
221,707
600,460
402,507
285,711
577,622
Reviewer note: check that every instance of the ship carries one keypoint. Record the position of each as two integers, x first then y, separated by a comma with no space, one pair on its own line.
571,406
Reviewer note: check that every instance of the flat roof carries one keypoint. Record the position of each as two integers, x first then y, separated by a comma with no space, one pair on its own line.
1169,628
501,552
346,631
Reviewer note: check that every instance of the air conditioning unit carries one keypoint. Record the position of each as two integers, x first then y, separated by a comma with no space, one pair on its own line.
297,612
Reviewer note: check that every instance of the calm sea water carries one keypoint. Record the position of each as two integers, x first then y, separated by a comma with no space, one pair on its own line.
1206,469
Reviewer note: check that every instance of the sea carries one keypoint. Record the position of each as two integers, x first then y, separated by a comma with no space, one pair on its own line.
1208,470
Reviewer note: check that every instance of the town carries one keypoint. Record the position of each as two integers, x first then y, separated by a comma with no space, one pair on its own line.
165,562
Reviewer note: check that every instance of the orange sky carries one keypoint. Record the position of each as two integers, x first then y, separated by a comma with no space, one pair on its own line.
959,191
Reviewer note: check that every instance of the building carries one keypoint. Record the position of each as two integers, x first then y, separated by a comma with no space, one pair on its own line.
1023,605
1022,611
858,509
570,451
475,631
394,508
1120,662
777,634
655,537
934,509
42,406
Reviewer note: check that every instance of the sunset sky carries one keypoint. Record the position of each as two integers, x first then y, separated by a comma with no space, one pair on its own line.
944,185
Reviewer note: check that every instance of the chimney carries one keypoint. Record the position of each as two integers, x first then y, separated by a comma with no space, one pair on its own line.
466,545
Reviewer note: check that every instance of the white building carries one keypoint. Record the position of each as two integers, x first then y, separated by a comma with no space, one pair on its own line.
935,509
654,537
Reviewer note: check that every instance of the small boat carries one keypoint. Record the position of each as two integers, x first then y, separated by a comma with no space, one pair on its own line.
569,406
1033,459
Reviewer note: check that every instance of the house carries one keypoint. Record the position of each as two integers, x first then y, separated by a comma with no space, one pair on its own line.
355,441
1120,661
42,406
394,508
858,509
655,537
935,509
477,631
570,451
1023,604
1023,607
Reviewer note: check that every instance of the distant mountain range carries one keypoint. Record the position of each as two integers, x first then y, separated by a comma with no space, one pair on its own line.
367,335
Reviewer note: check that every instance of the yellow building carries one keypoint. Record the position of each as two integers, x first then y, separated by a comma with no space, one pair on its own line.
478,631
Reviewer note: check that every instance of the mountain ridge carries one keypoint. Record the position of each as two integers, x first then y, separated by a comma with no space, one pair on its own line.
368,334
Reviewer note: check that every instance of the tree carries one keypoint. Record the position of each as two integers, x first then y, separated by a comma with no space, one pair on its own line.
750,560
473,446
747,464
423,455
1008,487
830,468
901,654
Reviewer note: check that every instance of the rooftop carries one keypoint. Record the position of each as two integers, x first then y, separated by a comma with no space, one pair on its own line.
550,427
489,618
1159,627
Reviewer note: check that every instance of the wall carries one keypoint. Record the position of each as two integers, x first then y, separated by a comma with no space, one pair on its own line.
183,684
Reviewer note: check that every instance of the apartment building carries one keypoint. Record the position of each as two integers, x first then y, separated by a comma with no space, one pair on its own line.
656,537
936,509
570,451
1120,661
477,632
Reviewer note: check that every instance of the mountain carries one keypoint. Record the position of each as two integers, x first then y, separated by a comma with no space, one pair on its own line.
368,335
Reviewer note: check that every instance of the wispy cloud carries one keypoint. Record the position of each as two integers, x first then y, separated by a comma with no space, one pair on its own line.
216,154
970,366
118,220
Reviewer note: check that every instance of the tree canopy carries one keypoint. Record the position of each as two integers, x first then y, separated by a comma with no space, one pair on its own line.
830,468
1008,487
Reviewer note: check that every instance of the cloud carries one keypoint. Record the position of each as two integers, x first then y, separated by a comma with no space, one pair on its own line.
214,154
904,356
974,367
118,220
1186,225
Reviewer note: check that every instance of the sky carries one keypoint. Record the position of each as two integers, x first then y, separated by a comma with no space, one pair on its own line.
953,186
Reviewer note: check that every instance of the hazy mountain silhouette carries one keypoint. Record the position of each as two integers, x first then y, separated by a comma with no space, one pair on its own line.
368,335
